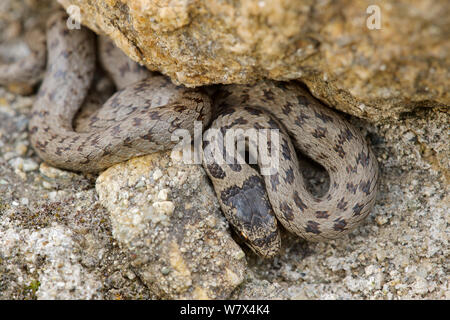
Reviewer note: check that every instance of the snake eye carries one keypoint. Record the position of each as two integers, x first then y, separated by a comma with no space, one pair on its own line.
243,235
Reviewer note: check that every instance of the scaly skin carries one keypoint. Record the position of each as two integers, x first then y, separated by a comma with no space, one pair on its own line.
141,117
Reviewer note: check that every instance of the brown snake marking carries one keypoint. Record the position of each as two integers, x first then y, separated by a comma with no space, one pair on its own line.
140,118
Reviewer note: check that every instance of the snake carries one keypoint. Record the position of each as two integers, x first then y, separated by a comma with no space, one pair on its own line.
147,108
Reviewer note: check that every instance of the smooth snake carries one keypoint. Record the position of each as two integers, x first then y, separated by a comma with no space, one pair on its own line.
147,108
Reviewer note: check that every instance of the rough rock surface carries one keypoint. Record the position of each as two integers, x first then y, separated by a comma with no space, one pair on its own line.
166,214
369,73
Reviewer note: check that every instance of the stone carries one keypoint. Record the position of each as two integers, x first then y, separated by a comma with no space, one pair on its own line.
334,47
172,227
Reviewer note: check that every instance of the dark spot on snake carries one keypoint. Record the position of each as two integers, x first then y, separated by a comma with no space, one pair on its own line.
312,227
289,179
206,143
60,74
257,126
253,111
351,187
340,151
196,99
268,94
154,115
363,159
224,93
140,86
350,168
216,171
179,108
137,122
41,145
81,147
286,151
62,140
65,54
319,132
236,167
116,130
357,209
280,84
344,136
223,131
298,202
34,130
227,111
114,101
322,214
300,120
342,205
287,211
52,24
106,152
239,120
275,181
130,109
287,108
54,43
42,91
93,120
340,224
65,32
365,186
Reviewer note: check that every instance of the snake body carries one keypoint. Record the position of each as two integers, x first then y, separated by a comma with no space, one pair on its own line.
314,130
141,117
137,119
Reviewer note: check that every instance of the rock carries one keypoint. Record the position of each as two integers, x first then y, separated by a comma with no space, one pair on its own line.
329,45
400,252
59,275
166,215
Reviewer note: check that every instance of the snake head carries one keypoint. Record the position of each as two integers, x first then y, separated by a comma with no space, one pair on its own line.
251,214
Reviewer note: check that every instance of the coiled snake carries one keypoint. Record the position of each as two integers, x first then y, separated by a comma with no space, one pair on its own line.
141,117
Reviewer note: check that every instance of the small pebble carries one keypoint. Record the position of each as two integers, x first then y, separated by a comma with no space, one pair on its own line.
157,174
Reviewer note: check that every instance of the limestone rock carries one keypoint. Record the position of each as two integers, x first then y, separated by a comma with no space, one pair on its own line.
167,216
370,73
